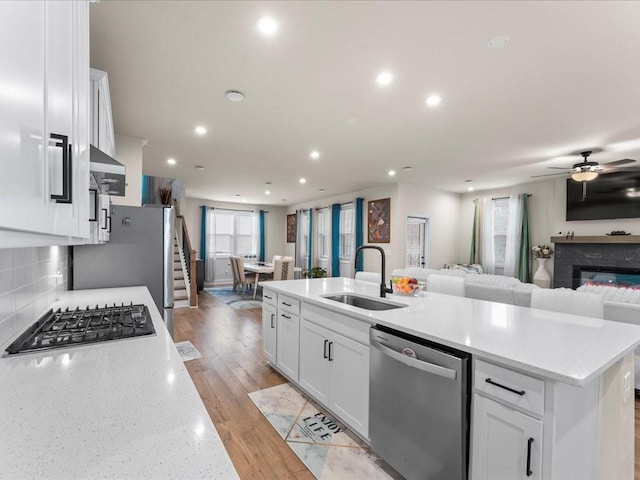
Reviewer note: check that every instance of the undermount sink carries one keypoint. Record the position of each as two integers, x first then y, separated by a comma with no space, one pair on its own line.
360,301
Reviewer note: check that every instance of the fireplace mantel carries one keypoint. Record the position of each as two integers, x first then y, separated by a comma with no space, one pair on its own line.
598,239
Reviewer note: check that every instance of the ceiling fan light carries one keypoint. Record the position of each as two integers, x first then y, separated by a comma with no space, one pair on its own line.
584,176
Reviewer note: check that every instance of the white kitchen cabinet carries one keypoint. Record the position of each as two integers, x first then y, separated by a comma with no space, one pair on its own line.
269,329
335,371
102,135
44,117
287,343
507,444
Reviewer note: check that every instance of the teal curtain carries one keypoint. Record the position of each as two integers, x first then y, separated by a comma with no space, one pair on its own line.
335,240
359,216
262,235
523,266
475,257
203,239
310,240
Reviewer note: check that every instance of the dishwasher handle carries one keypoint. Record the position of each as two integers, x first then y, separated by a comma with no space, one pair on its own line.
415,363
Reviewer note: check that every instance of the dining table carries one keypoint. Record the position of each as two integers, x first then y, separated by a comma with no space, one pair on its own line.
264,268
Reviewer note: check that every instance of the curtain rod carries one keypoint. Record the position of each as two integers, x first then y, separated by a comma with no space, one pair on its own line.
233,209
503,198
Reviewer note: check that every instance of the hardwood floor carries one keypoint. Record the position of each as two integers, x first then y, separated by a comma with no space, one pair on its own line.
233,365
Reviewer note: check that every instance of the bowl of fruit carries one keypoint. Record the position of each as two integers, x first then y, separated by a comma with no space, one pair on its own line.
405,285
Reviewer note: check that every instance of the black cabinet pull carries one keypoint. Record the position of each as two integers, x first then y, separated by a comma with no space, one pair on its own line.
272,319
105,218
325,348
287,304
93,196
267,296
62,141
517,392
286,316
330,352
529,442
109,223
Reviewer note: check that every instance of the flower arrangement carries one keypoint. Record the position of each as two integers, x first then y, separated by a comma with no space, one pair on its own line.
542,251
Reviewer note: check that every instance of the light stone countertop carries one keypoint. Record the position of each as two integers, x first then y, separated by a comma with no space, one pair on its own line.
124,409
566,348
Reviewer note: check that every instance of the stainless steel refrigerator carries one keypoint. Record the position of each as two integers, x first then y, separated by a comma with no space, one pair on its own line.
139,252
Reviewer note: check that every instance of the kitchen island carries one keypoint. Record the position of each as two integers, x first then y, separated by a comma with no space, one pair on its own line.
576,420
118,409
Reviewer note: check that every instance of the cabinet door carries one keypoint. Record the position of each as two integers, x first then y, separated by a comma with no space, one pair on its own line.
349,382
287,343
22,182
269,325
314,361
506,444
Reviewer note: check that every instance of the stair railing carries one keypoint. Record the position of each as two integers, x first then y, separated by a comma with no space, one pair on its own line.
190,260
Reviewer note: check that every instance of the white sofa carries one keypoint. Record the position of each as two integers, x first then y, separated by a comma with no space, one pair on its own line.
620,305
482,286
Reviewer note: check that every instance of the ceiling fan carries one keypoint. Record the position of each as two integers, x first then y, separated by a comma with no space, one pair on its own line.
586,171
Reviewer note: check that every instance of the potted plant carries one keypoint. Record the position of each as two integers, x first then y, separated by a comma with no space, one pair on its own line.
315,272
165,195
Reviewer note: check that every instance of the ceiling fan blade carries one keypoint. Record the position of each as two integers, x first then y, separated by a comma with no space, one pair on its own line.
558,168
550,174
624,161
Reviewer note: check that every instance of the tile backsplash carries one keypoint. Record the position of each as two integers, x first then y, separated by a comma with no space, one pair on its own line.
30,280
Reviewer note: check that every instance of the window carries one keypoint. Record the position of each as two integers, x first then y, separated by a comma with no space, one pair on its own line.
415,242
500,225
324,234
346,232
232,233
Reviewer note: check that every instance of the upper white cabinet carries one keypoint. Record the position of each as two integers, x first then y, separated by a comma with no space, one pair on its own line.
44,120
102,136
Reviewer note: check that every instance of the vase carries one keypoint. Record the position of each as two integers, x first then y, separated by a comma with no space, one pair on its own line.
542,277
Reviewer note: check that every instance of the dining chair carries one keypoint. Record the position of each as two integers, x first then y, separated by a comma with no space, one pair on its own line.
234,271
274,258
371,277
283,269
244,278
447,284
566,300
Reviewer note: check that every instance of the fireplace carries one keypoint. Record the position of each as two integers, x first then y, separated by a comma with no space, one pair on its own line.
601,255
606,276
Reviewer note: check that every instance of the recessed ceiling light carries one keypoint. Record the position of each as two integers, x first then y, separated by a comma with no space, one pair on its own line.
433,100
470,189
391,173
267,192
171,161
235,96
267,25
200,130
384,79
303,180
199,167
244,200
315,154
499,41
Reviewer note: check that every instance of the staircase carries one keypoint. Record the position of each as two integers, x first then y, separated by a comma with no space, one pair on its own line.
180,287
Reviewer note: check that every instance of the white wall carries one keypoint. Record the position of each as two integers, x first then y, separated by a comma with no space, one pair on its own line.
547,213
129,153
443,211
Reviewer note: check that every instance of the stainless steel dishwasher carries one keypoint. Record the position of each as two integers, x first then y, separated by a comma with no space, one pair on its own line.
419,405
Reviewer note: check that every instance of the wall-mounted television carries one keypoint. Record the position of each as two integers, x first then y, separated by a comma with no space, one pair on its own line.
610,195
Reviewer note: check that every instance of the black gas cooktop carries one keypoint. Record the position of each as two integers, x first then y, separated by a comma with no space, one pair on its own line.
70,328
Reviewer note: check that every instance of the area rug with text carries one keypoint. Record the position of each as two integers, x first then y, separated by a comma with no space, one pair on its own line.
327,449
237,299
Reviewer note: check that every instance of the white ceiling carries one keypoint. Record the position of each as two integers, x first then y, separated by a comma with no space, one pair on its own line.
568,81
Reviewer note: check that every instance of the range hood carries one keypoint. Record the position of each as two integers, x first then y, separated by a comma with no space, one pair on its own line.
108,173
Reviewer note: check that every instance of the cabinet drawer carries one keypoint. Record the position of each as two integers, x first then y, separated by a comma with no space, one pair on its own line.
511,387
289,304
270,297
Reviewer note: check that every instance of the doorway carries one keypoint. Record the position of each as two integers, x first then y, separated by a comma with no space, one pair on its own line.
416,235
